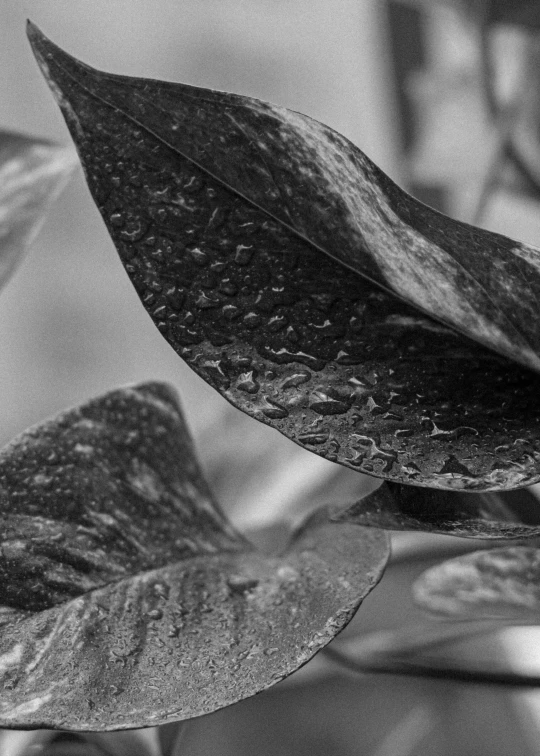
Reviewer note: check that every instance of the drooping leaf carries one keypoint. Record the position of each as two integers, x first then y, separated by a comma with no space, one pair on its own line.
396,507
32,174
495,583
236,220
127,598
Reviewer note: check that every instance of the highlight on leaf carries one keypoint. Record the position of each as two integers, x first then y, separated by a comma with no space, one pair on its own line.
126,597
486,515
33,172
294,277
495,583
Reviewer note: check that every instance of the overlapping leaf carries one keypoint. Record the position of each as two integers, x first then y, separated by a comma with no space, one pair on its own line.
127,598
396,507
236,220
496,583
32,174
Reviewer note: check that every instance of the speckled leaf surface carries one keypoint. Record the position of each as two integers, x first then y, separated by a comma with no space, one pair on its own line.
396,507
127,599
213,230
496,583
32,173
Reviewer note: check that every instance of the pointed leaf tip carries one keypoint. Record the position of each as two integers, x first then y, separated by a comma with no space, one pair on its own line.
275,258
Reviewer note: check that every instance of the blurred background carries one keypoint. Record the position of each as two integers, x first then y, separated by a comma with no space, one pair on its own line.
444,97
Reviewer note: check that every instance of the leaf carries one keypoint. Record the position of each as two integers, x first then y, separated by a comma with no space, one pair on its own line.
496,583
230,216
316,184
396,507
128,600
33,172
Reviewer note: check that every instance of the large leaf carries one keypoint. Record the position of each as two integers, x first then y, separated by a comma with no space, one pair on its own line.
128,599
236,220
396,507
496,583
32,173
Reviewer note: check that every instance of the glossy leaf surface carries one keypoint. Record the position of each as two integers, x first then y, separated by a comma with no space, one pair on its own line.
235,222
495,583
32,173
127,598
396,507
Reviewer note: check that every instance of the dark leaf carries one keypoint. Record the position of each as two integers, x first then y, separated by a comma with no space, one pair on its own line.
516,12
495,583
222,209
32,174
396,507
127,598
525,13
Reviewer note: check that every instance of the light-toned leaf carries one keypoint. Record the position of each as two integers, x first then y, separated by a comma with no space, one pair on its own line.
128,600
275,258
495,583
33,172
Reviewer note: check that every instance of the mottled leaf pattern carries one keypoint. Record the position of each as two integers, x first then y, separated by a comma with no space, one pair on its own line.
323,189
220,207
496,583
32,174
127,599
396,507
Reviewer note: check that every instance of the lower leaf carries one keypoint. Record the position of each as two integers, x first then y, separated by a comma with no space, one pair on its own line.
181,615
495,583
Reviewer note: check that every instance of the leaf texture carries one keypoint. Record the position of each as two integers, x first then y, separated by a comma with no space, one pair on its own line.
127,599
275,258
32,174
496,583
396,507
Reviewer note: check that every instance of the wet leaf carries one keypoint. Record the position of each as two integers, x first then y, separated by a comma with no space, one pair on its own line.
32,174
127,599
236,221
396,507
314,183
496,583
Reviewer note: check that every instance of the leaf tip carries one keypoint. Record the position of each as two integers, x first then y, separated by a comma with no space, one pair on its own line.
37,39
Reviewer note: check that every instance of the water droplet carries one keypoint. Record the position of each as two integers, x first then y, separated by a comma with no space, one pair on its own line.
453,467
200,257
327,405
297,379
283,356
252,320
273,410
231,312
313,438
243,254
207,301
117,219
241,583
247,383
228,287
277,323
373,407
175,297
133,231
292,335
